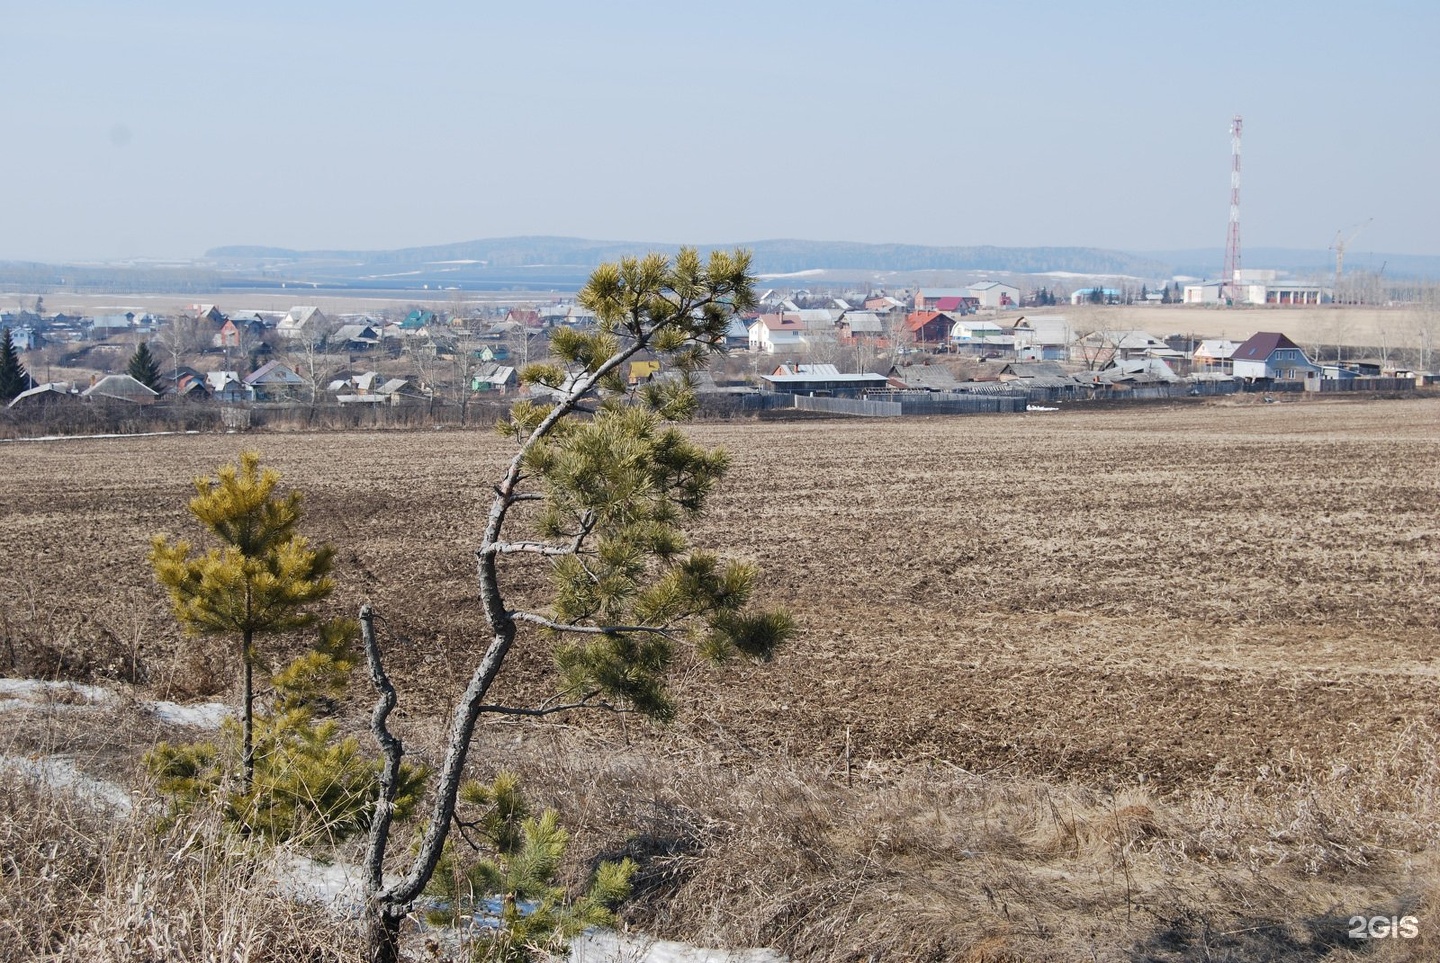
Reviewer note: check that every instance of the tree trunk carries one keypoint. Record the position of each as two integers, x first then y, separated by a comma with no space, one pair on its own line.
382,933
247,752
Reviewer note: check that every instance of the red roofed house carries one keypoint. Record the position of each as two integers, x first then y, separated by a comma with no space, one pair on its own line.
929,327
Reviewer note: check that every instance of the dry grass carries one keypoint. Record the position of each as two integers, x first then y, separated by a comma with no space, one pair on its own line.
88,879
1149,684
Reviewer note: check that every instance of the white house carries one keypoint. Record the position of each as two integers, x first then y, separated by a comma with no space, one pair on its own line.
1214,354
777,332
1044,337
303,322
1206,292
994,294
973,329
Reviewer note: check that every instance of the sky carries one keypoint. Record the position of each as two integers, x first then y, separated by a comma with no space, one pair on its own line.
160,129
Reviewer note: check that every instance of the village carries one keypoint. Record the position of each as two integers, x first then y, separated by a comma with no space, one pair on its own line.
987,347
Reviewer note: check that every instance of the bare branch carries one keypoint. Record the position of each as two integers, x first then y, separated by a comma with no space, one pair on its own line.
589,702
542,621
536,548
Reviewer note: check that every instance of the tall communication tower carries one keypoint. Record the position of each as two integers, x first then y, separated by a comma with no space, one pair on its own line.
1230,285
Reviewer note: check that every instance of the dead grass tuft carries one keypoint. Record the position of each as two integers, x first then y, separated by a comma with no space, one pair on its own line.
86,882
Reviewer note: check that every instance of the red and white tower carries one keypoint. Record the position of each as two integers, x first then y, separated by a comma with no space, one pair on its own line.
1230,284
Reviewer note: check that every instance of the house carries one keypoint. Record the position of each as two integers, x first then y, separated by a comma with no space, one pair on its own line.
929,327
926,299
1215,354
191,387
737,334
26,338
417,320
522,317
1039,374
773,333
351,381
643,370
994,294
494,377
355,337
303,322
957,306
105,325
1138,371
824,380
922,377
398,391
1105,345
859,326
51,392
208,313
1205,292
228,387
975,330
275,381
1096,294
1045,337
884,304
1269,355
120,388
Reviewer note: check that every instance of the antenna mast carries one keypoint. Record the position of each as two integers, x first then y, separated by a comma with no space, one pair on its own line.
1230,287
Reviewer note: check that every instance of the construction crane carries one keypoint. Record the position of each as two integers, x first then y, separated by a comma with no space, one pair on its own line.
1342,240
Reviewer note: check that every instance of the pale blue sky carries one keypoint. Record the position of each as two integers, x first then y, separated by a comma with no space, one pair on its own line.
160,129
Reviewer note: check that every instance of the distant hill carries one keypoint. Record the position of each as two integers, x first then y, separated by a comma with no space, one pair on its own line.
537,264
771,257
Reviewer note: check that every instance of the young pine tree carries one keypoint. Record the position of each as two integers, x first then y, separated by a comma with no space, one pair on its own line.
144,368
13,376
597,496
260,580
509,886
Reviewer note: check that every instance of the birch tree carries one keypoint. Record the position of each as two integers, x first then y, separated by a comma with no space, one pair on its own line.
612,480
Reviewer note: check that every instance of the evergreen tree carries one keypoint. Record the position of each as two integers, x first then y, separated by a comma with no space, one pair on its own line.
13,376
310,782
511,887
629,597
258,582
144,369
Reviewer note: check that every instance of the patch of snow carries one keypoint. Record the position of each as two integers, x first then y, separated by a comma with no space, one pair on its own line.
33,691
1039,408
73,696
606,946
340,886
61,773
204,715
810,273
138,434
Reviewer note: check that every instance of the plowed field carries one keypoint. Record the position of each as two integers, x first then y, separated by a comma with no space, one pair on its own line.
1177,596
